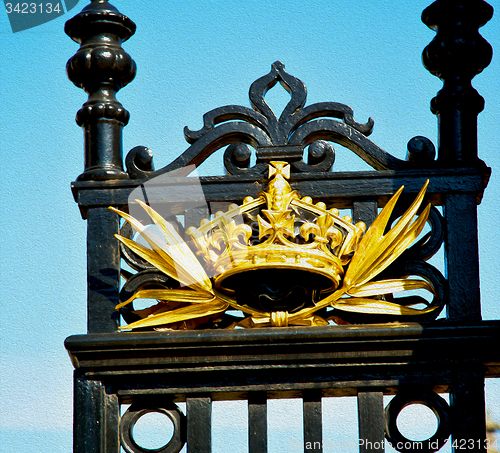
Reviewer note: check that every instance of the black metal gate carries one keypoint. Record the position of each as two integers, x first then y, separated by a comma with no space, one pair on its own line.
367,357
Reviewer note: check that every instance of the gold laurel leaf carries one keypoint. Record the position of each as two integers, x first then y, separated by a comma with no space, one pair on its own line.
179,250
389,286
379,307
181,271
152,257
180,314
171,295
375,251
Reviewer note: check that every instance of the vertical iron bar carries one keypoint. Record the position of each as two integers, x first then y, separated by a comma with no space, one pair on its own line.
365,211
468,413
199,424
462,258
88,415
103,270
313,425
112,422
257,422
371,422
96,417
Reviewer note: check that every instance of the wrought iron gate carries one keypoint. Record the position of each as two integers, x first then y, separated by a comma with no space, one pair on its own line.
367,355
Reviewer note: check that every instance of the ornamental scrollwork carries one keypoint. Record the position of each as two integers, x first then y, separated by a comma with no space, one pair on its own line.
257,131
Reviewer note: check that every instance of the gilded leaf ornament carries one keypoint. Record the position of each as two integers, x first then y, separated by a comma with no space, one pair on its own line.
229,268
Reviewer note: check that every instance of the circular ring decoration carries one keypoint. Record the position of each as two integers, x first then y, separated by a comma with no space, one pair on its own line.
136,411
427,398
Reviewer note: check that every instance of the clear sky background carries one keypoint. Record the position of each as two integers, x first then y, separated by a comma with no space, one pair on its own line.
191,58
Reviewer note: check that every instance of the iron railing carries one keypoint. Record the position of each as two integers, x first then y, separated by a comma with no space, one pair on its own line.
415,359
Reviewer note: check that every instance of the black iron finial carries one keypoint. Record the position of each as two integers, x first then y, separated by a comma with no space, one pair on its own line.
456,55
101,67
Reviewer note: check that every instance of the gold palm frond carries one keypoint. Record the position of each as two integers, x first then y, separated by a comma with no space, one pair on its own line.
374,253
180,314
171,255
198,298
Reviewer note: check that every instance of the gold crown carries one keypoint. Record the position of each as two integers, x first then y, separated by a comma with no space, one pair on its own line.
256,255
293,233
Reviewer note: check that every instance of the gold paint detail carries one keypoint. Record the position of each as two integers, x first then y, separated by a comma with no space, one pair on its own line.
279,319
295,234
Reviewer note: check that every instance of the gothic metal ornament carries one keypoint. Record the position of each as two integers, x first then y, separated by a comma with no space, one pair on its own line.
258,131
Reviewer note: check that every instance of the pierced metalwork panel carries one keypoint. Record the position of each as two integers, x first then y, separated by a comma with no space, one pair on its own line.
258,130
299,208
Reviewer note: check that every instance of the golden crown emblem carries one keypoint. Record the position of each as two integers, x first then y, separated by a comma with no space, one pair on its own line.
279,259
286,240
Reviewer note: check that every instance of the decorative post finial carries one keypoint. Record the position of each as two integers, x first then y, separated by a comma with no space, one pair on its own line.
456,55
101,67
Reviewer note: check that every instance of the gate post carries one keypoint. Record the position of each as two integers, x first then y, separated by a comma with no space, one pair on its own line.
457,54
101,67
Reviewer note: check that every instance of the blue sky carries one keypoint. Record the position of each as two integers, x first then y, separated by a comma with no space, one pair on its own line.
191,58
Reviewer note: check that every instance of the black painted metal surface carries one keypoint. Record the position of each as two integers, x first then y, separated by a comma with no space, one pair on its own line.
456,54
155,370
409,349
257,421
371,421
288,363
313,422
101,67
